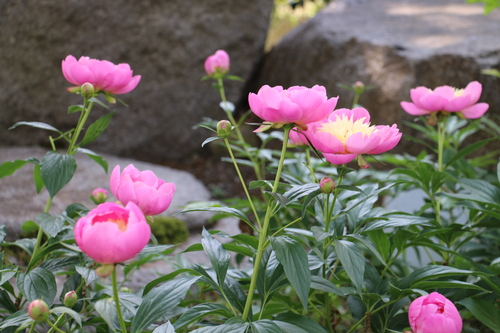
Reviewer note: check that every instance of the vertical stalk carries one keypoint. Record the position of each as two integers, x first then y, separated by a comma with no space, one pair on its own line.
265,227
117,301
40,232
441,137
87,107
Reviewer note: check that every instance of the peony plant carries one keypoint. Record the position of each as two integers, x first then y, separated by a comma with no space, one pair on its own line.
319,251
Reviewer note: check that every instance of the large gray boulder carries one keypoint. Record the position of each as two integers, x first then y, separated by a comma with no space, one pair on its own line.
164,41
393,45
19,201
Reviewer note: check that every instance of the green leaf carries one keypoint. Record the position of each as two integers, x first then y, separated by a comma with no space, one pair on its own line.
271,275
381,242
94,156
165,296
6,302
37,177
432,285
225,328
352,260
219,257
36,124
15,320
265,326
431,272
73,314
234,292
75,108
308,200
396,220
466,151
96,129
293,257
319,283
89,275
202,310
210,139
107,310
8,168
485,311
27,244
38,283
483,189
3,233
230,211
49,224
98,101
292,323
165,328
57,170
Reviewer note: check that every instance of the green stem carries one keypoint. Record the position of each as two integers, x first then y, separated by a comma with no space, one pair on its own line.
242,181
32,327
54,327
40,232
57,323
441,137
230,116
265,228
87,107
117,301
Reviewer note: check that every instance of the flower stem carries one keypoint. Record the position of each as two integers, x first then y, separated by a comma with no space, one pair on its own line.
40,232
242,181
265,228
237,130
87,107
53,326
57,323
117,301
441,137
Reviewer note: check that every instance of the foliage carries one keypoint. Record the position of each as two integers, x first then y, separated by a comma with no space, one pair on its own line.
169,230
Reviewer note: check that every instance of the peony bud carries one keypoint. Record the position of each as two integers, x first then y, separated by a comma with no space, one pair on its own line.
70,299
87,90
434,313
224,128
217,65
125,290
327,185
38,310
105,270
99,195
359,87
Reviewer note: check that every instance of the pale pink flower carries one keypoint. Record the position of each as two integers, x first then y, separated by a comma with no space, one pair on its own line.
297,104
345,134
218,63
102,74
112,233
151,194
434,313
445,98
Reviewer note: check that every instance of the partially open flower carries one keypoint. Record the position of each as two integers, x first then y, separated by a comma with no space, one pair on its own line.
112,233
217,64
345,134
103,75
434,313
447,99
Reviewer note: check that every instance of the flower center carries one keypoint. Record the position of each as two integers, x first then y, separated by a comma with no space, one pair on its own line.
458,92
114,217
343,127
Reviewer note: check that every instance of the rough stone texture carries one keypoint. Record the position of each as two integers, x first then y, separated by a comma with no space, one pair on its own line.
393,45
164,41
19,201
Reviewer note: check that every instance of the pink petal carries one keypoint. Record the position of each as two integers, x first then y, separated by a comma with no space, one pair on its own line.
413,109
131,85
432,102
339,158
358,143
290,112
114,181
326,143
458,103
446,92
475,111
419,92
474,90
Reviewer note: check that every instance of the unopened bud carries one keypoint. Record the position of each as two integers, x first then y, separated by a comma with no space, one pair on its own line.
359,87
99,195
70,299
105,270
38,310
224,128
87,90
327,185
125,290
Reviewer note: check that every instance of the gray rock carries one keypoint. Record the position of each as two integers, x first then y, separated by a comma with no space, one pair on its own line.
19,201
393,45
164,41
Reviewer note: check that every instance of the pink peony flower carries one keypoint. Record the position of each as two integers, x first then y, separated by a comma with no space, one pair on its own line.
299,105
217,63
151,194
345,134
112,233
102,74
298,137
434,313
446,98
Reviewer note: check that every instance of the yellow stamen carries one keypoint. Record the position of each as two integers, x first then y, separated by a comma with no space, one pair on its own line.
343,127
458,92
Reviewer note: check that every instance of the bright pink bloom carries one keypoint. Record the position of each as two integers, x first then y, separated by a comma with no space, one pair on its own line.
299,105
434,313
151,194
298,137
346,134
217,63
102,74
112,233
446,98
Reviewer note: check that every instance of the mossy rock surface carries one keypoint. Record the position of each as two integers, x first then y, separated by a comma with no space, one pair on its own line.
169,230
